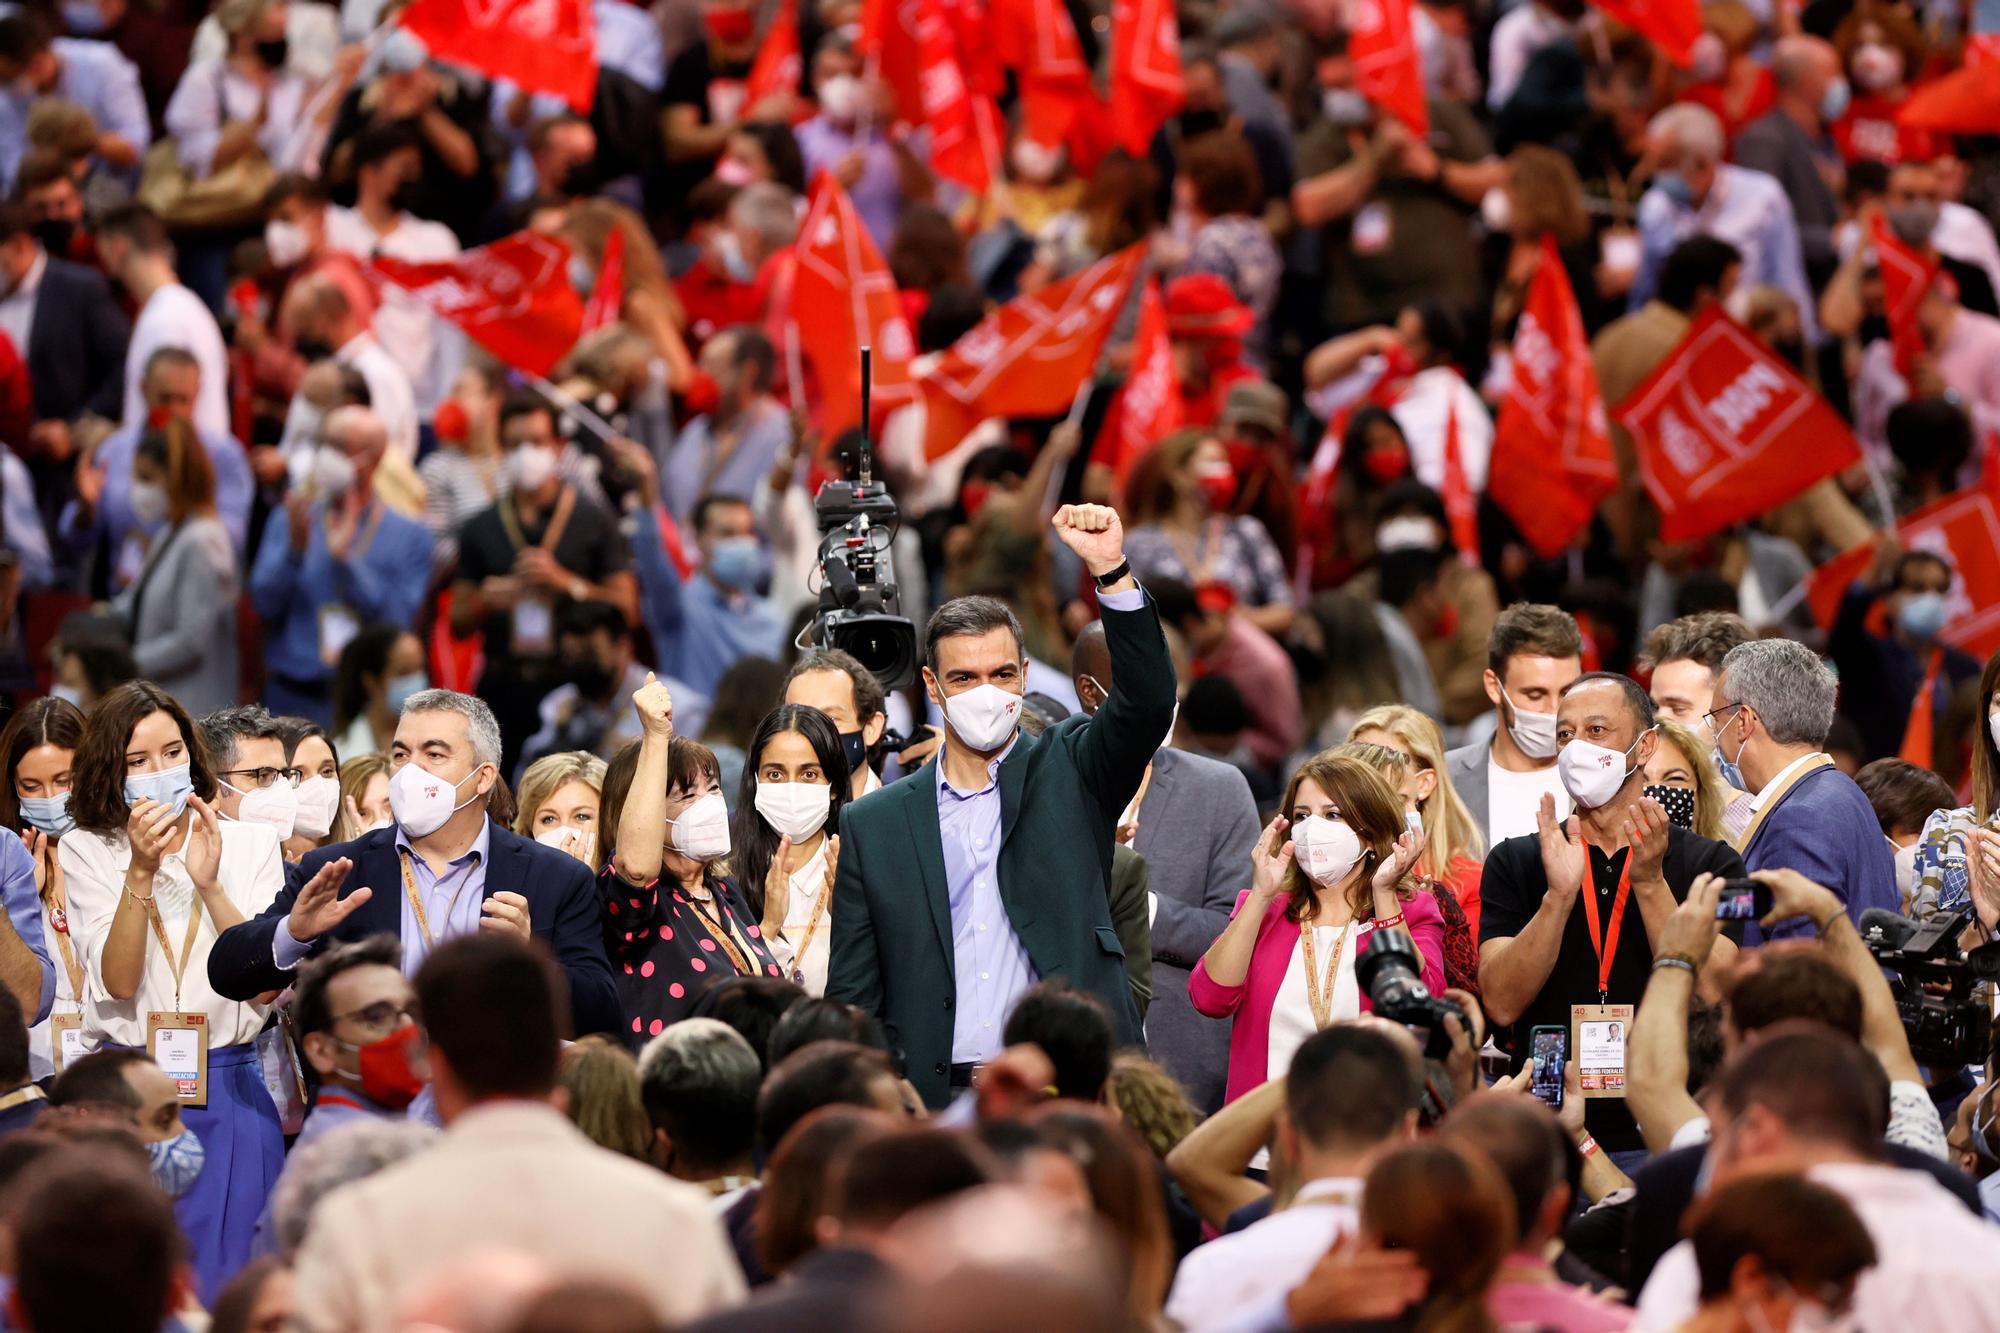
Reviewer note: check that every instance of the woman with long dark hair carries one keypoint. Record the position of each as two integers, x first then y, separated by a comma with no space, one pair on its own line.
154,877
675,922
39,747
1958,853
794,784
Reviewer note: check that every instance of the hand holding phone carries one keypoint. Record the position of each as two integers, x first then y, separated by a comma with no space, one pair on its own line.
1548,1052
1743,900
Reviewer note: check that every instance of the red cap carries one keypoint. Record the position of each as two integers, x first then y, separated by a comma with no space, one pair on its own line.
1201,305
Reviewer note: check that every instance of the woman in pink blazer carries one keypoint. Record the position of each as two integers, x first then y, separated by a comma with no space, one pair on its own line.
1284,967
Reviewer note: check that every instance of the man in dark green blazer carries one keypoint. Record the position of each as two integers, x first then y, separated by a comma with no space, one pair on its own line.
990,868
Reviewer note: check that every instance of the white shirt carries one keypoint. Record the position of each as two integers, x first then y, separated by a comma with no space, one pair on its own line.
1291,1012
312,39
1514,800
251,872
389,392
1913,1123
1933,1269
175,317
428,349
1424,412
1520,33
1965,235
807,883
211,95
1777,784
17,308
1231,1275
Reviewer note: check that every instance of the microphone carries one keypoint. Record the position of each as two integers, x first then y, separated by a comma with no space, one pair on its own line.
1892,928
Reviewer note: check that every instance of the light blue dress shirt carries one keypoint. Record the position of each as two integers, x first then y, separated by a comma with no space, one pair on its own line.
381,583
112,520
685,475
451,901
699,630
97,77
24,910
1749,210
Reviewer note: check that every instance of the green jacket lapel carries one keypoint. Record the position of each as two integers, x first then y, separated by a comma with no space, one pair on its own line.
920,809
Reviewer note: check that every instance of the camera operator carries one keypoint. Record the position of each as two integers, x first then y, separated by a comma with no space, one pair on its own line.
1657,1091
1558,951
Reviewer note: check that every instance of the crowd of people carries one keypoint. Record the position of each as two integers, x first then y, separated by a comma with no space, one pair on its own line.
455,879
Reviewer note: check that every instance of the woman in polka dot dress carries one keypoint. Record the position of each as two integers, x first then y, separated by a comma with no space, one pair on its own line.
673,924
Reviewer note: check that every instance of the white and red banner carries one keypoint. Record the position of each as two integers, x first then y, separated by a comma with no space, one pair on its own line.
1725,430
1906,277
1964,530
965,126
1150,406
1552,462
844,298
512,297
607,294
1671,25
776,70
1147,85
1383,47
543,46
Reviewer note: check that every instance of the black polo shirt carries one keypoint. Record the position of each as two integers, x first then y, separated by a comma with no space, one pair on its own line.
1510,892
589,546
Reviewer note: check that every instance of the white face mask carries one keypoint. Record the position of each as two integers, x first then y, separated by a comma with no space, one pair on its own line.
984,716
1535,733
318,800
1325,849
796,810
422,801
149,503
840,98
702,831
1993,726
1906,870
276,805
531,467
286,243
585,844
1593,774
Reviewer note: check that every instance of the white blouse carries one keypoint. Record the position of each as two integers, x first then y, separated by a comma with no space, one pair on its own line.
808,881
1291,1013
251,870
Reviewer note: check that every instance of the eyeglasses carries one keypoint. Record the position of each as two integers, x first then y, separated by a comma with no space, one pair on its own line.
264,777
1710,716
379,1016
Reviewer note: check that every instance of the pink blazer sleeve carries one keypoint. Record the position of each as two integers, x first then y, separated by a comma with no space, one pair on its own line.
1210,996
1426,925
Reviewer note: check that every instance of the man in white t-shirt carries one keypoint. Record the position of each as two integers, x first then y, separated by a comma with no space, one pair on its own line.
1533,653
132,242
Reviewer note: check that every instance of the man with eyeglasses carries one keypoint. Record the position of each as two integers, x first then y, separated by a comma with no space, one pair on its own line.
256,786
352,1016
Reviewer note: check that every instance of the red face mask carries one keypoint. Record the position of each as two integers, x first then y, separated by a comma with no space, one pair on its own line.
389,1073
1386,465
451,422
974,496
731,27
1218,488
701,394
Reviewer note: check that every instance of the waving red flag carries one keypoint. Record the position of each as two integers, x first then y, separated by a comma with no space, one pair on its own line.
1963,101
889,43
512,297
1383,48
544,46
1671,25
847,299
1725,430
1149,406
1146,81
1059,104
1552,462
1964,529
1027,358
607,294
965,131
1906,276
776,69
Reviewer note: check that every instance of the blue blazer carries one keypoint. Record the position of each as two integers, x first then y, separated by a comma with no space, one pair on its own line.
1825,829
562,911
76,345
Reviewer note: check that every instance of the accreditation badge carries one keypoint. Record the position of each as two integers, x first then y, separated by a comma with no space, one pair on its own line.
65,1040
178,1044
1597,1035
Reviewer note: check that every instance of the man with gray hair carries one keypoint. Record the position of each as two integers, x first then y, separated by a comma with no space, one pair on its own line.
444,868
1772,709
699,1081
1695,192
1790,143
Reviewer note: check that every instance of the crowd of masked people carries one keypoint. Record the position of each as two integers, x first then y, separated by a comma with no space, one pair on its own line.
448,886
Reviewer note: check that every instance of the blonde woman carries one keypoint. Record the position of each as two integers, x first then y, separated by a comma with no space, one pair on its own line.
1454,849
1682,777
558,804
364,797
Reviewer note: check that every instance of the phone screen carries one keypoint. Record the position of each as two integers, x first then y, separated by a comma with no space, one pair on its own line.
1547,1055
1739,902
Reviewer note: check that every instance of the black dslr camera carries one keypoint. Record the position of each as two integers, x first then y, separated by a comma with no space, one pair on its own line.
1933,981
1392,972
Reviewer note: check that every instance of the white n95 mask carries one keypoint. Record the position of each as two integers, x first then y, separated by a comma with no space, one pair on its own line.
702,831
984,716
796,810
1325,849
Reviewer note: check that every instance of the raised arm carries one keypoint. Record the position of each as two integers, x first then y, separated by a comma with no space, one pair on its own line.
1656,1086
1209,1164
1113,749
1513,969
642,825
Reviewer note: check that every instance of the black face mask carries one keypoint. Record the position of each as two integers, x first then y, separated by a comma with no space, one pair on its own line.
273,52
580,180
55,234
405,196
1678,802
593,679
1194,124
312,349
856,746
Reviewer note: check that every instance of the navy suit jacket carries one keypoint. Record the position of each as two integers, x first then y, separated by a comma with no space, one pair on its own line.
1825,829
562,911
76,345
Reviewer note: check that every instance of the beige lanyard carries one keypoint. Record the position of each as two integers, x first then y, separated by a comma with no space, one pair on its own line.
1318,996
510,520
724,936
59,919
179,966
812,928
417,902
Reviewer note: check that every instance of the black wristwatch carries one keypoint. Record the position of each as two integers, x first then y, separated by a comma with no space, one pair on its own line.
1111,576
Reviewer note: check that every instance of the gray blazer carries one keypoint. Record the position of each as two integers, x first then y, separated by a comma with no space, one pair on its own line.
184,639
1197,828
1467,767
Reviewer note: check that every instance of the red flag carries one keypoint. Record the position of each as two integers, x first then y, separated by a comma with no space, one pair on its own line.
1059,104
1906,276
1725,430
888,43
965,132
1964,101
1150,407
1146,81
512,297
1552,460
843,298
1461,508
1028,357
1964,530
1919,733
1671,25
544,46
607,294
775,72
1383,48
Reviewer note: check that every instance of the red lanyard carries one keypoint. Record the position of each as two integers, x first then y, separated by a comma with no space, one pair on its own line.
1608,949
